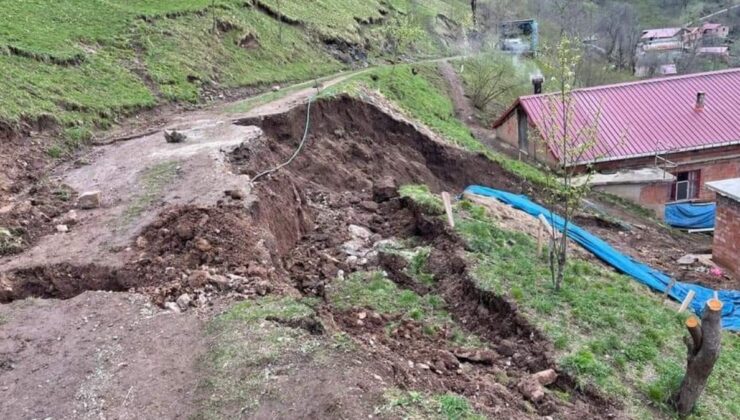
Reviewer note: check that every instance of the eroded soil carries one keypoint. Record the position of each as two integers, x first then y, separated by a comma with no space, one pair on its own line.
293,233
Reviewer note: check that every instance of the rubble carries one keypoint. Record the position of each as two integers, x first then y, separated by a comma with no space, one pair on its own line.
183,302
174,136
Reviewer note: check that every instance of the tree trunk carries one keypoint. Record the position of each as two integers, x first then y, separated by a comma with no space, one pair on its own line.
703,350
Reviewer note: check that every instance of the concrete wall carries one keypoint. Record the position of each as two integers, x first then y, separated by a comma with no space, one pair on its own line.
651,195
726,249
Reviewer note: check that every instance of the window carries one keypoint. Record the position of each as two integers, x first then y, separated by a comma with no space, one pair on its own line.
686,186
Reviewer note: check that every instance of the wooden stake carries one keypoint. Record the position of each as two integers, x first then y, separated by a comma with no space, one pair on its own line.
545,223
668,289
448,208
539,239
686,301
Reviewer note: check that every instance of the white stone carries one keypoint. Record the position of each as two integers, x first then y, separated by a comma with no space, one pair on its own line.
184,301
172,306
360,232
89,200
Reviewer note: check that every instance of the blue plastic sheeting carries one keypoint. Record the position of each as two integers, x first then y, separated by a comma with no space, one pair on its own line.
690,216
643,273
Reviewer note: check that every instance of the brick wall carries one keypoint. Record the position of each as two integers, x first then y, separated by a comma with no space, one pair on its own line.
509,130
713,172
726,248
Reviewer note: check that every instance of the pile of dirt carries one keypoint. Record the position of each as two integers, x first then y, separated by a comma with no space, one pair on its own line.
660,247
204,251
21,156
353,144
35,212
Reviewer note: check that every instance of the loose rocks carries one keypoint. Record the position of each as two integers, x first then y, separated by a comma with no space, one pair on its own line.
89,200
174,136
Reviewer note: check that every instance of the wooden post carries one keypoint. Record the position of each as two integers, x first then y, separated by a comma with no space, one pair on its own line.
687,301
668,290
448,208
703,347
539,239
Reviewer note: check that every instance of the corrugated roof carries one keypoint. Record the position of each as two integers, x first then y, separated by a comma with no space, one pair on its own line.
661,33
714,50
711,25
648,117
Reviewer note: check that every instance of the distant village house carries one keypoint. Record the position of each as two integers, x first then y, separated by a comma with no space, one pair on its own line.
659,49
685,126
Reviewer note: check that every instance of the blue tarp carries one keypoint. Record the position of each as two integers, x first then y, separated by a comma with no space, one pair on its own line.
690,215
643,273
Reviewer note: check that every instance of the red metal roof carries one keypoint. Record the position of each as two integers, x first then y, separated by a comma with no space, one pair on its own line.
648,117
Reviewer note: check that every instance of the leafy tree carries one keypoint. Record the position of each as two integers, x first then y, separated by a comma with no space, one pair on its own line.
402,35
570,139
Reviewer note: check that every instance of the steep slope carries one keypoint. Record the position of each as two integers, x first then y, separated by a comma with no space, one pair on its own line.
82,63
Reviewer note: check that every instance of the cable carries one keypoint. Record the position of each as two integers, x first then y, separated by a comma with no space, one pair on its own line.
298,150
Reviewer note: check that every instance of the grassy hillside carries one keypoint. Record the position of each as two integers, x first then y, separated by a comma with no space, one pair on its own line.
84,62
608,330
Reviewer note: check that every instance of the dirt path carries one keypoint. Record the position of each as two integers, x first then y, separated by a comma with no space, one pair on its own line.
465,111
99,355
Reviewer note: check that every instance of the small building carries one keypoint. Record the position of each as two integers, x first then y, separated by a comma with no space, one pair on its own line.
723,53
646,185
714,30
663,39
726,247
686,125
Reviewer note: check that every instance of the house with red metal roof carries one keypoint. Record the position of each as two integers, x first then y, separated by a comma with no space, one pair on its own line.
688,125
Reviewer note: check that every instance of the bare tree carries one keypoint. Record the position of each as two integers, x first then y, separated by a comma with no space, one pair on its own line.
490,78
619,28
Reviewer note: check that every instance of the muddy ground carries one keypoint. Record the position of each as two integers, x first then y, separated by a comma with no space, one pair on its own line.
126,334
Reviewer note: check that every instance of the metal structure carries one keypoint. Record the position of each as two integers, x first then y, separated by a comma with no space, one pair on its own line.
520,36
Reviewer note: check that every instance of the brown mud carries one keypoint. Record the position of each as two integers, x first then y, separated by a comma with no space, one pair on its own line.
298,228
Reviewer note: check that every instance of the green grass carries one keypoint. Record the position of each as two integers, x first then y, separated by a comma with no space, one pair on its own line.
374,291
415,405
421,195
609,330
181,54
152,182
87,62
244,350
10,241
